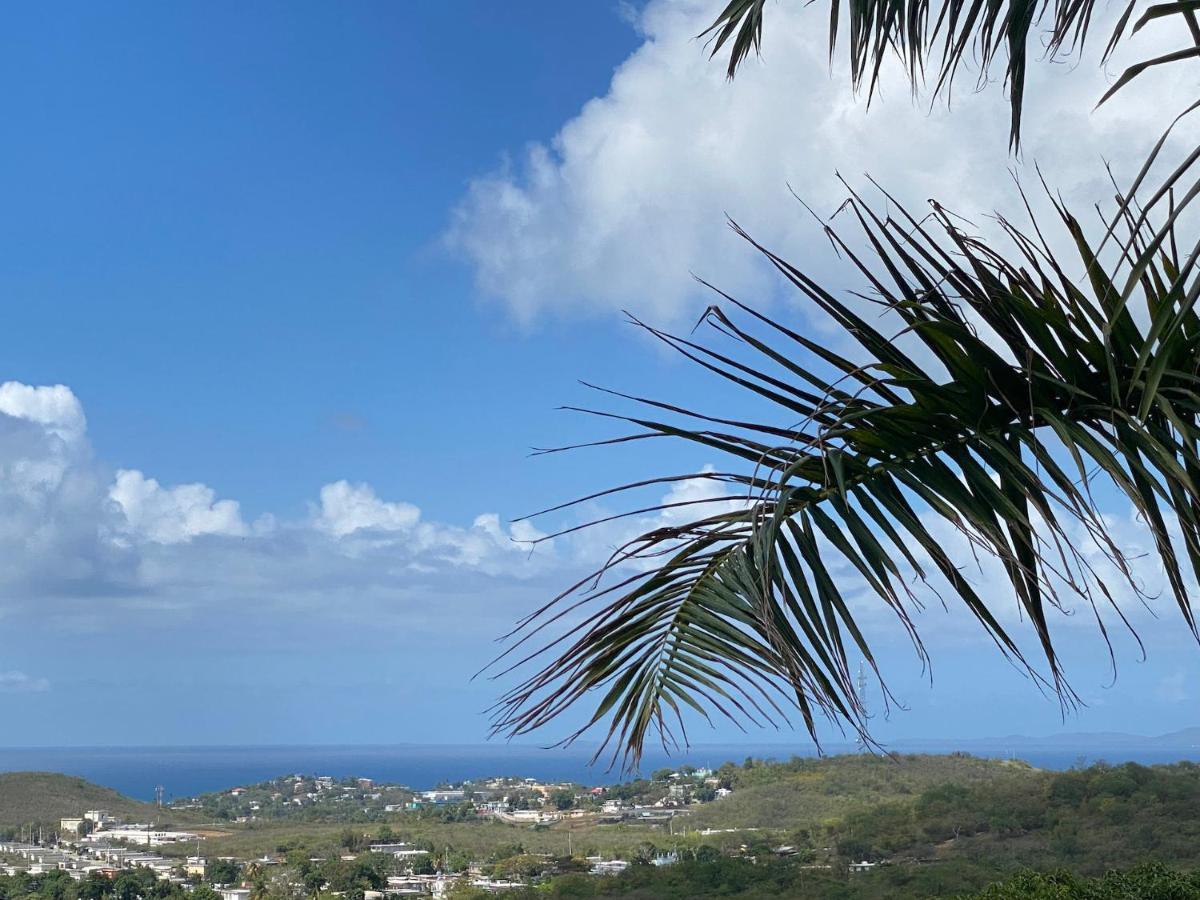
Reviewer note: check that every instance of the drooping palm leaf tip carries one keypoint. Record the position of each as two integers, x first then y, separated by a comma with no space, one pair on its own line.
1022,386
943,35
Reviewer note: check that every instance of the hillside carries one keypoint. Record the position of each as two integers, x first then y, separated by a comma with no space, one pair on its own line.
807,793
46,797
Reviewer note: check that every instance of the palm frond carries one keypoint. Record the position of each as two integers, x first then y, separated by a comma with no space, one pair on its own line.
934,39
1021,387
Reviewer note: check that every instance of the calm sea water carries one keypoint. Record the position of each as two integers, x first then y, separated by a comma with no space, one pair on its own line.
186,771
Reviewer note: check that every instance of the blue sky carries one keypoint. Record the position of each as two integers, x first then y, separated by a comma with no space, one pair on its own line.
324,266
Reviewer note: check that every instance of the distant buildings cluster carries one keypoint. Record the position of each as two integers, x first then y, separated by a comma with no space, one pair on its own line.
99,843
98,826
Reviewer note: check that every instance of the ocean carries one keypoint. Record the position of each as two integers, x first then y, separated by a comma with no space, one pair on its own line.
187,771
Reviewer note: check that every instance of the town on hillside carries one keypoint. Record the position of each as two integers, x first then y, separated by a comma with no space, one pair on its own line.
96,846
855,826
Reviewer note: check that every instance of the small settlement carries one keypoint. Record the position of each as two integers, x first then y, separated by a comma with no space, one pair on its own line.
95,844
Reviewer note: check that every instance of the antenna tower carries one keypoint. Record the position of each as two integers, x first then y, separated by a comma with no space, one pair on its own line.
861,744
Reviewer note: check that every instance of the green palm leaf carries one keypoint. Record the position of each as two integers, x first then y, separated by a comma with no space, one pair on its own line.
1014,388
935,39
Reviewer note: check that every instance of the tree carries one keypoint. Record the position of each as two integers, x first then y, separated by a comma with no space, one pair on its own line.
222,871
997,390
96,887
563,799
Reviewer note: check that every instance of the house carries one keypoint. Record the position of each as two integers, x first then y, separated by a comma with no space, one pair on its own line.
195,865
449,796
234,893
399,851
863,866
70,826
608,867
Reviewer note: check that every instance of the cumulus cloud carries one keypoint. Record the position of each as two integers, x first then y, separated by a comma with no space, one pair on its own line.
53,518
631,194
73,531
347,508
86,549
172,515
13,682
54,407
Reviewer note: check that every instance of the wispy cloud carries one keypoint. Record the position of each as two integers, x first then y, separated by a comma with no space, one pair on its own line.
1173,688
14,682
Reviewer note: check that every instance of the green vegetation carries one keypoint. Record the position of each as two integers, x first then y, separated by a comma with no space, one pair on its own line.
42,798
739,879
860,827
807,793
1150,882
301,798
131,884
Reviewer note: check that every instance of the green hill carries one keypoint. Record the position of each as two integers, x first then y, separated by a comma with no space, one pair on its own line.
46,797
808,793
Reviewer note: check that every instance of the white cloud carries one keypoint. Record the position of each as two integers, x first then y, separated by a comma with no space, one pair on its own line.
81,542
13,682
55,407
86,550
172,515
52,496
631,194
347,508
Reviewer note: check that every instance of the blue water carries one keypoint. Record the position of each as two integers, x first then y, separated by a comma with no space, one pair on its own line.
187,771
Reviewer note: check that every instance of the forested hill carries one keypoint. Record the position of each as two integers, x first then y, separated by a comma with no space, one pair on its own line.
45,797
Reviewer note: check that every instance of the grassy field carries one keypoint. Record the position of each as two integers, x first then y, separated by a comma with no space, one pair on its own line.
480,838
822,791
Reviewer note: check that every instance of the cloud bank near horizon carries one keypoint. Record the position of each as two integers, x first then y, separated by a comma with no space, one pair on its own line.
88,552
73,532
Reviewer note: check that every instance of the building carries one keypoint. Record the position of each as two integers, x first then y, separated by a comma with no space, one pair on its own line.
144,835
444,796
608,866
399,851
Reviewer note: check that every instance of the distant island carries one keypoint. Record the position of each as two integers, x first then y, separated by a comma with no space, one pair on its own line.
850,826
